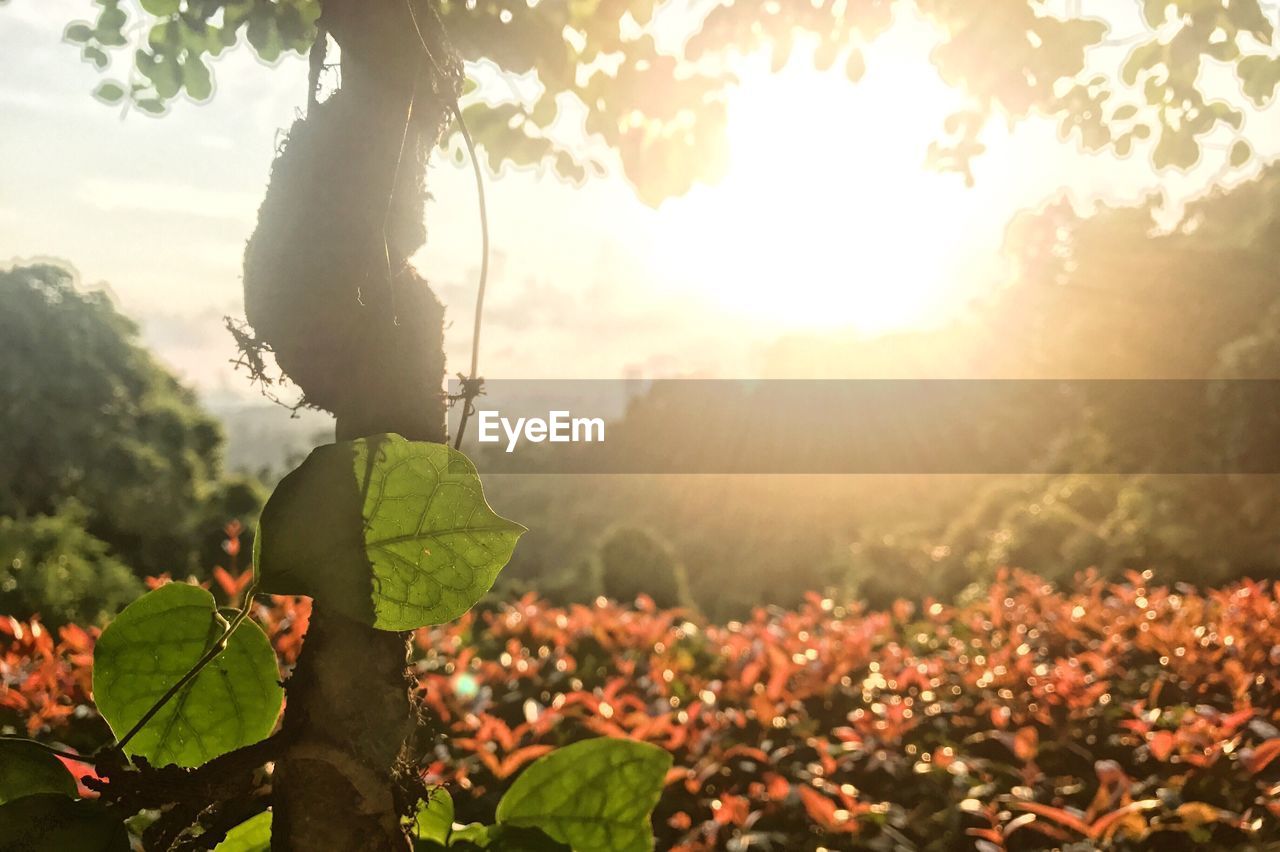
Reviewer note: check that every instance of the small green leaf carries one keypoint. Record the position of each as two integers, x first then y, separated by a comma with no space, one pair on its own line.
233,702
1260,76
1240,154
1249,16
164,37
434,821
568,168
393,533
112,19
252,835
52,822
164,72
855,66
197,78
595,795
95,55
154,106
1154,11
1175,149
264,33
1143,57
78,32
1224,112
160,8
544,111
1124,113
27,769
109,93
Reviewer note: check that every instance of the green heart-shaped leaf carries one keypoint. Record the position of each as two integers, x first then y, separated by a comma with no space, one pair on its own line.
52,822
26,769
435,818
252,835
595,796
233,702
394,533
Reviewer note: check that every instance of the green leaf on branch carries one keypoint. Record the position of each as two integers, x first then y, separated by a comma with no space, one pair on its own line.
234,701
252,835
435,818
164,73
112,20
1141,58
1259,75
26,769
95,55
1154,11
1240,154
855,67
197,78
78,32
264,33
595,796
109,93
391,532
1175,149
52,822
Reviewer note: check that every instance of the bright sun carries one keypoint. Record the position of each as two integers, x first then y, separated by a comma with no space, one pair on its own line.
826,217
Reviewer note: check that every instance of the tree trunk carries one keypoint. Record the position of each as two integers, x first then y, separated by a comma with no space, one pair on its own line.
328,289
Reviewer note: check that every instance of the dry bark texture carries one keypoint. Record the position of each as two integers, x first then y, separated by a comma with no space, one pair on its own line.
328,288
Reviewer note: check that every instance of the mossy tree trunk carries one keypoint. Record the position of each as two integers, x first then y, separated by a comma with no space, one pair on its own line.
329,290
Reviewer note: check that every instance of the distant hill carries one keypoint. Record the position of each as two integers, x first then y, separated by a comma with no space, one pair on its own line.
267,439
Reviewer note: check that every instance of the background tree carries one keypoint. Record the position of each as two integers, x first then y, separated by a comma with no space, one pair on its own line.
145,467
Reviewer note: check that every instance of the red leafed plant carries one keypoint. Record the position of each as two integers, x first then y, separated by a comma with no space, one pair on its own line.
1114,715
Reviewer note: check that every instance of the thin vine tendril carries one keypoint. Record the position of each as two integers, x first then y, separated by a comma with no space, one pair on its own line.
472,384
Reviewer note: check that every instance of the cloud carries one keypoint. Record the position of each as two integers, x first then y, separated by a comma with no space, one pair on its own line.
112,195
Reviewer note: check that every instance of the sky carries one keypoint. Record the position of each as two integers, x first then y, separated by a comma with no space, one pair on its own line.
826,224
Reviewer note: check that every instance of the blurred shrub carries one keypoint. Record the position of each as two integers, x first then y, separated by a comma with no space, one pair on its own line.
49,565
635,562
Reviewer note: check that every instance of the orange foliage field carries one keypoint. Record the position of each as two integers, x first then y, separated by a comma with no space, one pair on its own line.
1109,715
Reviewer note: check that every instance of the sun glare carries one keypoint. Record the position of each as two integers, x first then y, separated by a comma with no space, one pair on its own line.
827,217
